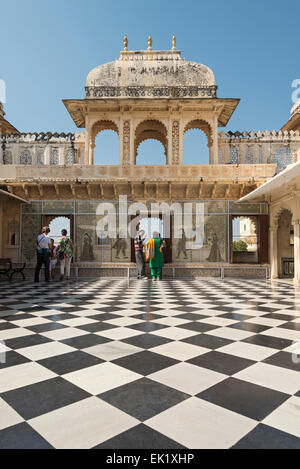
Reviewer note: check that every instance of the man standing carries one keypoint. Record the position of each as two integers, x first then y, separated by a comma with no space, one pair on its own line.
139,255
43,254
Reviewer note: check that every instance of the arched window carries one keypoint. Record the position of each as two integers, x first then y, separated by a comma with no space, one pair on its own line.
196,142
106,143
106,149
151,152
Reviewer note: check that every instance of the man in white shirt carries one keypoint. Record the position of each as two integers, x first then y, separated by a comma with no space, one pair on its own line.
43,254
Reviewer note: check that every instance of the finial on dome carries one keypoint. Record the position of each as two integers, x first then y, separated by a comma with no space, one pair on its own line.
149,43
174,43
125,42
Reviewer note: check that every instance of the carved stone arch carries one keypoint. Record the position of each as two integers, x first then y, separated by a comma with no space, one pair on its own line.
280,210
99,126
151,129
203,125
103,124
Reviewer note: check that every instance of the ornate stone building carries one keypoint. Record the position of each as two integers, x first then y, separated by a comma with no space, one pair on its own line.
143,95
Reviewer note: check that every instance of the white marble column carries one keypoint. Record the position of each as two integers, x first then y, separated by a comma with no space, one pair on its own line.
274,251
296,251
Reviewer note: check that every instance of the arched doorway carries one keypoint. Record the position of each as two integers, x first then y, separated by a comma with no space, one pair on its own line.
285,245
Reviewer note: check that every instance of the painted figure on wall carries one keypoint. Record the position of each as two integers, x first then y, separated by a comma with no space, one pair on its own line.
120,245
87,252
181,245
215,255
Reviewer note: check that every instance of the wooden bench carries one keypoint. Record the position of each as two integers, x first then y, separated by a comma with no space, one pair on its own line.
5,267
9,269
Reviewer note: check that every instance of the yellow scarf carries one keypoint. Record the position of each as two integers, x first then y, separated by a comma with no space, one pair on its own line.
150,249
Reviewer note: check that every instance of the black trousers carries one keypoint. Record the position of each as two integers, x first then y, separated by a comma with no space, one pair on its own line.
140,264
42,258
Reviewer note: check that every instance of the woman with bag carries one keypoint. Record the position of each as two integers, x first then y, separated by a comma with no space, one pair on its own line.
65,253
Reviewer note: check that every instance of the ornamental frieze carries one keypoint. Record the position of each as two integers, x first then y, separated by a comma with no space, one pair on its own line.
145,91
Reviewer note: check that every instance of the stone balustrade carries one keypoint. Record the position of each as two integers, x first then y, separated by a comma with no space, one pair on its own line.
47,148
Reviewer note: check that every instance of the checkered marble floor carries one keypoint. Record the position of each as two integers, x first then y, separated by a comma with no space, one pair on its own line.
139,364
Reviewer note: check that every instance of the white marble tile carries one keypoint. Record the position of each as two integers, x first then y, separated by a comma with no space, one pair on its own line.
188,378
100,378
196,423
82,425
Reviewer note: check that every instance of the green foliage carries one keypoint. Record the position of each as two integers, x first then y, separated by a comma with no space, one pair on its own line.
239,246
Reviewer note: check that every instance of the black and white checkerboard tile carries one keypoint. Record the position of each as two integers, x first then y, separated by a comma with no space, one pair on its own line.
141,364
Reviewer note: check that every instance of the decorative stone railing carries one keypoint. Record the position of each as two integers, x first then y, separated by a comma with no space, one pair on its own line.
281,148
44,148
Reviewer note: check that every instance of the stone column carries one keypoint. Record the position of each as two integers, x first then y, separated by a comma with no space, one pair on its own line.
214,146
174,143
296,224
274,251
125,143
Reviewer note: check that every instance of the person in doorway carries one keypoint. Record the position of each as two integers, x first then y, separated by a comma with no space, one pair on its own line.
65,253
154,252
43,254
53,258
139,255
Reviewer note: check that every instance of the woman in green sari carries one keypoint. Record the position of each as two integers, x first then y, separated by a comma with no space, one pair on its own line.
154,252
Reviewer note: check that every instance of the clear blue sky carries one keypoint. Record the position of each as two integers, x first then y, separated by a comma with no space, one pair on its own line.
48,47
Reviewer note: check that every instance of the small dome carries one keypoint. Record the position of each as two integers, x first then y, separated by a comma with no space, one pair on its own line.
151,74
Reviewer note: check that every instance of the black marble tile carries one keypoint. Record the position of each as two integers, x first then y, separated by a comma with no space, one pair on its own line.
146,341
281,317
7,325
85,341
198,326
96,327
140,437
192,316
147,326
22,436
238,316
284,360
248,326
104,316
47,327
255,402
145,362
221,362
268,341
265,437
208,341
293,326
26,341
43,397
143,398
68,362
13,358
